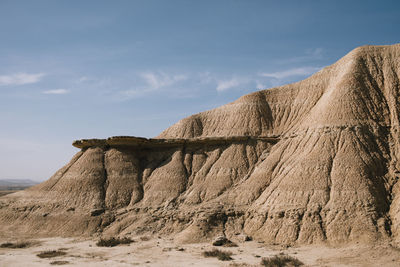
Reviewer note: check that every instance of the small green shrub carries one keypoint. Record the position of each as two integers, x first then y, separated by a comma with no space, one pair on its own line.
219,254
15,245
51,254
112,242
281,261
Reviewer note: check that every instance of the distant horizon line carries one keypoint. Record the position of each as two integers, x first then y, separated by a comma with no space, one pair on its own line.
22,179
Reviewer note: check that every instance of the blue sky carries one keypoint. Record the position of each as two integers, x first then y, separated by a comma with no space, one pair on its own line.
86,69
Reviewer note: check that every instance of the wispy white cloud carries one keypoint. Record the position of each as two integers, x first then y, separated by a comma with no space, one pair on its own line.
310,55
224,85
315,53
191,85
133,93
153,82
56,92
20,78
302,71
159,80
205,77
260,85
83,79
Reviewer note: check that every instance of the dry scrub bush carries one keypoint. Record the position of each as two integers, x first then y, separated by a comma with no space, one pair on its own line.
15,245
51,254
281,261
144,238
219,254
59,262
112,242
230,244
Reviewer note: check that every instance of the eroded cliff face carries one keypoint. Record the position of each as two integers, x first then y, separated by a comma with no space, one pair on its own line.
333,175
135,178
314,161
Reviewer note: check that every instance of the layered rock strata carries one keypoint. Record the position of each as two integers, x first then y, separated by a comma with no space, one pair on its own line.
313,161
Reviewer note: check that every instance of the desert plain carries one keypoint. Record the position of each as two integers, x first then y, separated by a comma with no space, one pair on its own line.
162,251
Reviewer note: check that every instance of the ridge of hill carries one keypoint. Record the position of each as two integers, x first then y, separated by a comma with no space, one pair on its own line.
327,172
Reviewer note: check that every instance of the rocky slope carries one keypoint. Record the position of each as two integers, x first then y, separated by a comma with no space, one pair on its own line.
314,161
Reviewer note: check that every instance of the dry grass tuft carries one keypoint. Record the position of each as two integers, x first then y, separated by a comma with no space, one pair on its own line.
281,261
15,245
234,264
112,242
230,244
144,238
59,262
219,254
51,254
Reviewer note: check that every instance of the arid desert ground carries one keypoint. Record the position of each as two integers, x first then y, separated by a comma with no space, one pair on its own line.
157,251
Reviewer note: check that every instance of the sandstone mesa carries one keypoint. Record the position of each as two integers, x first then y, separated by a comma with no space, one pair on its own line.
309,162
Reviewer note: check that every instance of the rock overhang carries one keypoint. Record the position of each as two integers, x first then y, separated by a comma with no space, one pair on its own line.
133,141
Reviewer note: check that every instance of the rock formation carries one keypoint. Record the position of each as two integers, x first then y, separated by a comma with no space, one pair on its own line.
313,161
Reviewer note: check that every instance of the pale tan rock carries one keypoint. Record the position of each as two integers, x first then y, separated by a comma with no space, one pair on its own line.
309,162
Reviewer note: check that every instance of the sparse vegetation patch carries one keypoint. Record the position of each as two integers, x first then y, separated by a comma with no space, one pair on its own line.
223,241
51,254
219,254
144,238
281,260
112,242
59,262
15,245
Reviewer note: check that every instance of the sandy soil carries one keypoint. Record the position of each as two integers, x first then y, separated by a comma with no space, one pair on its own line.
164,252
6,192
